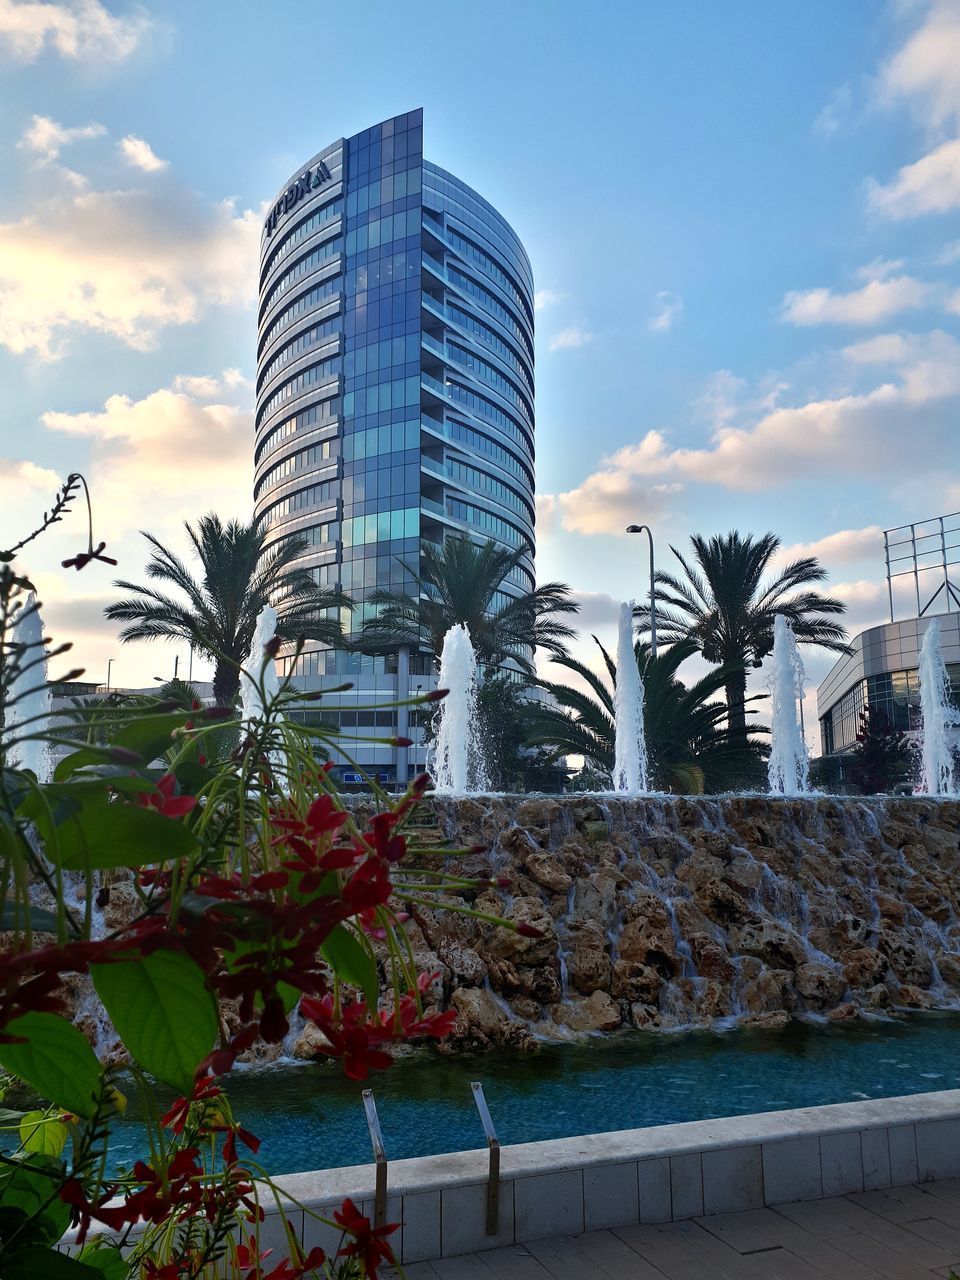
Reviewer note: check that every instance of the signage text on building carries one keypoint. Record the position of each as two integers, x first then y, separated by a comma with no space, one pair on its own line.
308,181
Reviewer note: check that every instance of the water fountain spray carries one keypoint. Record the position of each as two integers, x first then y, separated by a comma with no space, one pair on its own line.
458,767
29,692
630,743
789,767
939,718
261,667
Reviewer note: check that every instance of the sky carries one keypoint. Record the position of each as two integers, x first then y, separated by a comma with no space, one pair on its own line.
743,219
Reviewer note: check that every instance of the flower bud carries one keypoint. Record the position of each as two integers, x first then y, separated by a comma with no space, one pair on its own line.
435,695
123,755
528,930
217,713
401,742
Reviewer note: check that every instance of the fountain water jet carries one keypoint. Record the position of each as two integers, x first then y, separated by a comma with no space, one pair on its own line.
789,768
630,744
29,692
939,716
458,766
261,667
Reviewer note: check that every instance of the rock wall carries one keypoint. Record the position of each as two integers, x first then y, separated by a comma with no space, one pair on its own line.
669,912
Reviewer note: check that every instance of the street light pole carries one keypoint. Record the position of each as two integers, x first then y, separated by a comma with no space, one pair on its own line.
109,665
645,528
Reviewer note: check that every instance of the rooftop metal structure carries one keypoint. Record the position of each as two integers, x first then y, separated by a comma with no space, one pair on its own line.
926,551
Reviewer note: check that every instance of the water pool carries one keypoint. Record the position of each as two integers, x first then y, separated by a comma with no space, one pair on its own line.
309,1117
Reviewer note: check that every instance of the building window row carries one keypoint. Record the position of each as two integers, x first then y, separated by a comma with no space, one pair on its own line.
397,186
479,480
375,441
491,304
301,344
322,451
473,253
319,218
306,302
463,434
307,378
491,376
316,495
485,520
327,662
383,270
315,258
326,411
395,226
487,409
377,356
490,339
368,483
397,394
378,571
381,526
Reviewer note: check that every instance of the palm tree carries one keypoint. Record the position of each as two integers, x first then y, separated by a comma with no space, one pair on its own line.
727,609
689,747
458,583
219,613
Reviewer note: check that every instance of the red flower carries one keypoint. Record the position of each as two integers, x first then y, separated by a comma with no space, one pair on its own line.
164,800
250,1257
369,1243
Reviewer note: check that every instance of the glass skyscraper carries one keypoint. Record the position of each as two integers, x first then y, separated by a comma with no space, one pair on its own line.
395,396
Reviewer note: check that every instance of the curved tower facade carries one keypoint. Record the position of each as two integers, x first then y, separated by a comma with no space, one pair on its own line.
395,396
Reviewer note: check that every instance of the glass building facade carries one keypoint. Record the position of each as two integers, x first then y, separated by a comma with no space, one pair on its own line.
395,397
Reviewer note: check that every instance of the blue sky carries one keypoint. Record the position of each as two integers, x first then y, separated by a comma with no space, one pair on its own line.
744,222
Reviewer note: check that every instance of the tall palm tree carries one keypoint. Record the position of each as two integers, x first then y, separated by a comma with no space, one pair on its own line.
728,610
690,748
458,583
219,612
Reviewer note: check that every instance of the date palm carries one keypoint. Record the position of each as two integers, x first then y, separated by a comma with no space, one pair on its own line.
727,607
217,613
461,582
690,748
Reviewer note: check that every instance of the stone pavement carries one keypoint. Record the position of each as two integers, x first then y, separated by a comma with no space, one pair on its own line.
906,1233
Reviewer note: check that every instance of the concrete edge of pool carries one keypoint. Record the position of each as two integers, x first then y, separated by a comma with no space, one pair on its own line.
661,1174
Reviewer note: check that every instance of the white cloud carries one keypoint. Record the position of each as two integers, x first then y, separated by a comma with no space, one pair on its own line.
80,30
667,311
140,154
846,546
544,298
929,185
926,70
126,263
833,114
875,303
210,387
45,137
152,463
864,431
570,338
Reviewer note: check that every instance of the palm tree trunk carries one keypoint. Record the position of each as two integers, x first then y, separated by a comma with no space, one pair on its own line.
736,693
226,683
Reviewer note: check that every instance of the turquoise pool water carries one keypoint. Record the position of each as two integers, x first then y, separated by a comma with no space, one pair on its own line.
309,1117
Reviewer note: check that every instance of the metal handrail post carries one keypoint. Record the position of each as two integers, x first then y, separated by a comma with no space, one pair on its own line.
380,1158
493,1146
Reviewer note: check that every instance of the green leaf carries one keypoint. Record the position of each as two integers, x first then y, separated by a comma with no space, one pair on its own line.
13,916
148,734
32,1263
351,961
106,1258
55,1058
30,1202
42,1134
92,831
163,1011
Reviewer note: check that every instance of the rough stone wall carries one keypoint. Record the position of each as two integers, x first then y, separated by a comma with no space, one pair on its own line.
659,913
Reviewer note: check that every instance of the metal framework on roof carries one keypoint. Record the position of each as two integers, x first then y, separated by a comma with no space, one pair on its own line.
927,551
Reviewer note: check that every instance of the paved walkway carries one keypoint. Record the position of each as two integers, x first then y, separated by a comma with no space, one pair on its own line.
908,1233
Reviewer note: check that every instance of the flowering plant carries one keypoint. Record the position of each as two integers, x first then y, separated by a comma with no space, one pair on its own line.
255,892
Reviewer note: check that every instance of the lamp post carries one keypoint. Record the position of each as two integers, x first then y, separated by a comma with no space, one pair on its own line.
109,665
645,528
